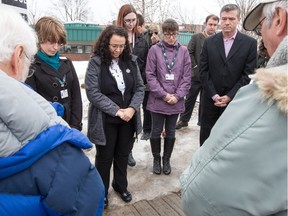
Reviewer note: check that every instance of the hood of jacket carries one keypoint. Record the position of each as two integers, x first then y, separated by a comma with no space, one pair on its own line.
24,114
273,80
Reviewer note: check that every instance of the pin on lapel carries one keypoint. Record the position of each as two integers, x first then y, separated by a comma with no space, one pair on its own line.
128,70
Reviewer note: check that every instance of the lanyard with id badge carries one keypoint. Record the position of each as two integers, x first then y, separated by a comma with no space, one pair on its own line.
63,84
170,75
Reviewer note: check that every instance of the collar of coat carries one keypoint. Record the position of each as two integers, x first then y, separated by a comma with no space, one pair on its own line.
273,80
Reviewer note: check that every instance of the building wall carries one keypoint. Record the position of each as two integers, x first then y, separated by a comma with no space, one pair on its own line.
77,56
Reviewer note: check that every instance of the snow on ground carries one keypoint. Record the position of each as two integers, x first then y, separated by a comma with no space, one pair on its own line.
142,183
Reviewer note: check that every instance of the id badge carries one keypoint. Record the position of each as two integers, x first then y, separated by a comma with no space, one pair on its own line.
64,93
169,76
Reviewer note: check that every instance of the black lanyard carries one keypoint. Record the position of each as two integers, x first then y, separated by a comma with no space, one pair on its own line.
169,65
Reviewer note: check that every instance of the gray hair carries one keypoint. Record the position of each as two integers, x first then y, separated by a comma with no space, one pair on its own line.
269,10
15,31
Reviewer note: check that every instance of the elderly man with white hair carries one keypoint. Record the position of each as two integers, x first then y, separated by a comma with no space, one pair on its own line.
242,168
43,170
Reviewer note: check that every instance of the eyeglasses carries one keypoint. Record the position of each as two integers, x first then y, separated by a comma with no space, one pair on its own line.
32,61
55,43
151,33
258,28
116,46
169,35
128,21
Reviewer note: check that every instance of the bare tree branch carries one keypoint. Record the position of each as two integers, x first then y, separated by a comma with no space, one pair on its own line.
155,11
245,7
72,10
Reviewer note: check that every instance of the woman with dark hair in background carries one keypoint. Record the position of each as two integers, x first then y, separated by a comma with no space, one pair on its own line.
127,18
115,90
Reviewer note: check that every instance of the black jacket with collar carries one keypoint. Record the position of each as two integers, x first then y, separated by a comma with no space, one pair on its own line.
141,49
46,82
225,75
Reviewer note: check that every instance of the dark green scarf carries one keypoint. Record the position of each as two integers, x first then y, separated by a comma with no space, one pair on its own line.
53,61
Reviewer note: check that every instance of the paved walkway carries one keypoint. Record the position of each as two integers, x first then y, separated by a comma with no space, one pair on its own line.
155,194
166,205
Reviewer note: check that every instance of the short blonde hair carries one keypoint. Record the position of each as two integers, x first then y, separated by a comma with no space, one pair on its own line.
50,29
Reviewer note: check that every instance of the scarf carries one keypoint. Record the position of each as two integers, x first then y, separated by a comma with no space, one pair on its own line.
53,61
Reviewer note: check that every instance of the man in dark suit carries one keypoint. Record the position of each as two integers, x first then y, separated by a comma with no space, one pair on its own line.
226,60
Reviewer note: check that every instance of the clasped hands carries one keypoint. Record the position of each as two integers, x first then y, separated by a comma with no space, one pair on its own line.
126,114
170,99
222,101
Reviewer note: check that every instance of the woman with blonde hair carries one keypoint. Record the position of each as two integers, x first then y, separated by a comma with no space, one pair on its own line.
54,76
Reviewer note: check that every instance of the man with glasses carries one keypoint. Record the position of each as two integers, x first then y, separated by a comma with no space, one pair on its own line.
226,60
43,170
242,167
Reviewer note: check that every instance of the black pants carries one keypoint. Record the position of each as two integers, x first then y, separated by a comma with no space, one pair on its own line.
210,114
119,141
147,121
160,121
190,101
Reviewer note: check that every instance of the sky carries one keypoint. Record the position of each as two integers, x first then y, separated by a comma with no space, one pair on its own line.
197,9
105,11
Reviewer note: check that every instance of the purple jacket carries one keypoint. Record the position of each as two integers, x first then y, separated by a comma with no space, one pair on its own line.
156,71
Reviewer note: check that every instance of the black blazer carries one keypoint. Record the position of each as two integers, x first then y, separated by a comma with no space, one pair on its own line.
224,76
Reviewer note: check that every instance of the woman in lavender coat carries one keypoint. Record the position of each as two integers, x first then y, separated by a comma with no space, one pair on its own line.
168,73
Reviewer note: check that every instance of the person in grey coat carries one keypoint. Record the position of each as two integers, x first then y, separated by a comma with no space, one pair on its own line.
168,73
115,90
241,170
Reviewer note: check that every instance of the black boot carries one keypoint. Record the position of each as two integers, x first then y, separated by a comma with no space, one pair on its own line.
156,148
168,148
106,202
131,160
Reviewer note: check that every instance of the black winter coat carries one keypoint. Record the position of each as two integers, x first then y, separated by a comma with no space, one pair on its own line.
140,50
47,82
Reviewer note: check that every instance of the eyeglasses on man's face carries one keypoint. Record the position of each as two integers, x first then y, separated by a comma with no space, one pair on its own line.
128,21
116,46
31,61
258,28
169,35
